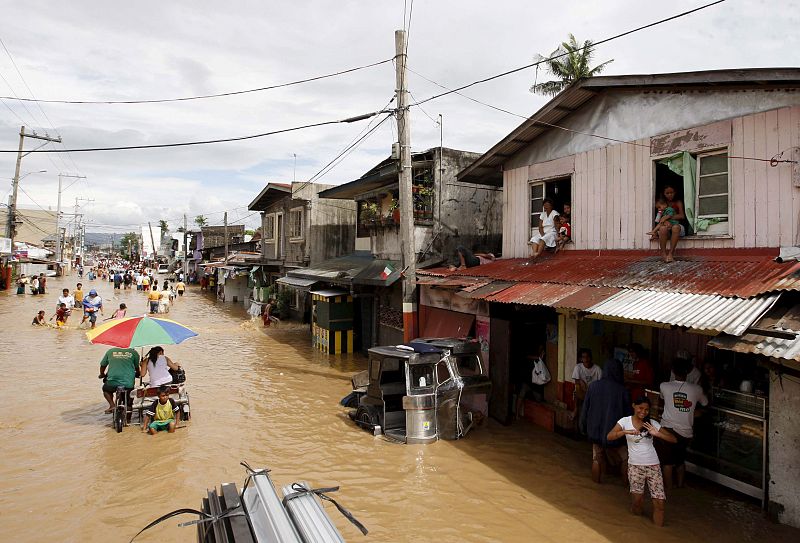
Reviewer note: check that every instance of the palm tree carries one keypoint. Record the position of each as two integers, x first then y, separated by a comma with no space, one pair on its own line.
573,65
200,220
162,224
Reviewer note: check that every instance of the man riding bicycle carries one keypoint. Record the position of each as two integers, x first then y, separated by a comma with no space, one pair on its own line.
118,368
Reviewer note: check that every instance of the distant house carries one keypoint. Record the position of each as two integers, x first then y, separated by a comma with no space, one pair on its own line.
447,214
299,228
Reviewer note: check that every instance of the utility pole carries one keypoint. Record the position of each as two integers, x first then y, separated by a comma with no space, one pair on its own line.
153,241
79,231
59,241
407,242
12,208
185,250
226,236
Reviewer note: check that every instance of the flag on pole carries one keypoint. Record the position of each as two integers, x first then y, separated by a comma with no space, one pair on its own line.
387,271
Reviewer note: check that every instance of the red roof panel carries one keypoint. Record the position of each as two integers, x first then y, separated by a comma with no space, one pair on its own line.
739,273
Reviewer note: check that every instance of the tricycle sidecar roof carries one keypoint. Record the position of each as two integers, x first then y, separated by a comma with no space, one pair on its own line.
424,355
455,345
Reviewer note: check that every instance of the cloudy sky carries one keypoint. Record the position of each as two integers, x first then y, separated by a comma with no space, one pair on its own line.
81,50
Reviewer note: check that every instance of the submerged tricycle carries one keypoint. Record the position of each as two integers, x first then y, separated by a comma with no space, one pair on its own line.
428,389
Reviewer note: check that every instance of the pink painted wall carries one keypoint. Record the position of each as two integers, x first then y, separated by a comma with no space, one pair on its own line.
612,187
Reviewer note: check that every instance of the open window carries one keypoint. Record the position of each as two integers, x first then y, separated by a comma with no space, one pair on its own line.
702,182
559,190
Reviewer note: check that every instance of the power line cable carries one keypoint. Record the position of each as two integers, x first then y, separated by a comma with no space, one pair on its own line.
554,57
205,142
204,96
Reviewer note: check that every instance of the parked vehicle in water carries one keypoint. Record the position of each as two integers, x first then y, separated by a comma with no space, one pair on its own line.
425,390
163,268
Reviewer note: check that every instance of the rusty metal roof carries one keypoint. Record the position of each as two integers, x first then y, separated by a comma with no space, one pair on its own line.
732,273
784,317
546,294
587,297
697,311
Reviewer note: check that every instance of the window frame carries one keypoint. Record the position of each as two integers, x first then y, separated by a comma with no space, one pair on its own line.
535,183
698,155
269,219
728,216
300,234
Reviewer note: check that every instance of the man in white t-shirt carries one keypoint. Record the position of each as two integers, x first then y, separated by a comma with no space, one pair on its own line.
66,299
680,401
584,374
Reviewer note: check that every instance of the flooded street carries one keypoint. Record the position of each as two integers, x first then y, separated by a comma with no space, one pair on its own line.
270,400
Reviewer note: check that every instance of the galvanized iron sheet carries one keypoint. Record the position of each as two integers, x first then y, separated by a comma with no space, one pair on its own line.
787,349
743,274
546,294
698,311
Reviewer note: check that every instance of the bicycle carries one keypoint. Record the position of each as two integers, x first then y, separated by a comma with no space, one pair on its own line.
122,408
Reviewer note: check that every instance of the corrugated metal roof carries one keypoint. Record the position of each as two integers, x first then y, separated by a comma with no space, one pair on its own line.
698,311
740,273
787,349
586,297
481,291
547,294
784,317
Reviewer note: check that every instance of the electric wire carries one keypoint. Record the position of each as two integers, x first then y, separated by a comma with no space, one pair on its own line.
205,142
204,96
554,57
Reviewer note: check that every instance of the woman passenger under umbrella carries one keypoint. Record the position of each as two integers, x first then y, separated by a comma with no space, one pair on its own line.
158,366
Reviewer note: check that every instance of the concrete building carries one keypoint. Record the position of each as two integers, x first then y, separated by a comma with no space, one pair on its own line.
299,228
728,142
447,214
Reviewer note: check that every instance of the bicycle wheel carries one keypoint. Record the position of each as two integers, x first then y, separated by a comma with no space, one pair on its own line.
119,418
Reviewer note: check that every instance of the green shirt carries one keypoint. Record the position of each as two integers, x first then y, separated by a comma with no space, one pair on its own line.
122,365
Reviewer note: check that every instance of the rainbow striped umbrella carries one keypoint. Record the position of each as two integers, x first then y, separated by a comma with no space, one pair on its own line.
139,332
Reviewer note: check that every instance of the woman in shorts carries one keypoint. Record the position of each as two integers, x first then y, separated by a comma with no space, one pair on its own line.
643,464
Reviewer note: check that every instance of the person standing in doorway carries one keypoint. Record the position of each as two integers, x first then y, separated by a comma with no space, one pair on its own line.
643,466
639,373
680,401
607,401
584,374
527,385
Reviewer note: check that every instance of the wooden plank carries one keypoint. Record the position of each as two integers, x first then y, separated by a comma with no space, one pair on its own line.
760,169
786,223
737,181
522,201
560,167
795,142
644,188
626,196
582,189
748,181
773,180
506,241
612,197
239,530
604,218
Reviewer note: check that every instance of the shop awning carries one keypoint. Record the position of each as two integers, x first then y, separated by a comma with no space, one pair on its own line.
444,323
770,336
340,270
296,282
378,273
702,312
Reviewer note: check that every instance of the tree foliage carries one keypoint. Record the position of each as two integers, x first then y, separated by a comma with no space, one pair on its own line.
572,66
164,226
200,220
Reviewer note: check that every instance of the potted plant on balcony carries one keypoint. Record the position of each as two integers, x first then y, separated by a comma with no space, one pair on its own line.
369,213
395,211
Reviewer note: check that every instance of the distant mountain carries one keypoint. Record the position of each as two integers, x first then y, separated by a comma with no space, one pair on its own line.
102,238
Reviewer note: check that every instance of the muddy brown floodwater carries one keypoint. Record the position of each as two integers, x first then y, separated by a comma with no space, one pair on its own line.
271,400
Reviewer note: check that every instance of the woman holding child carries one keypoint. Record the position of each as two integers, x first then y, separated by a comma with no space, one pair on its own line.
670,229
547,234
